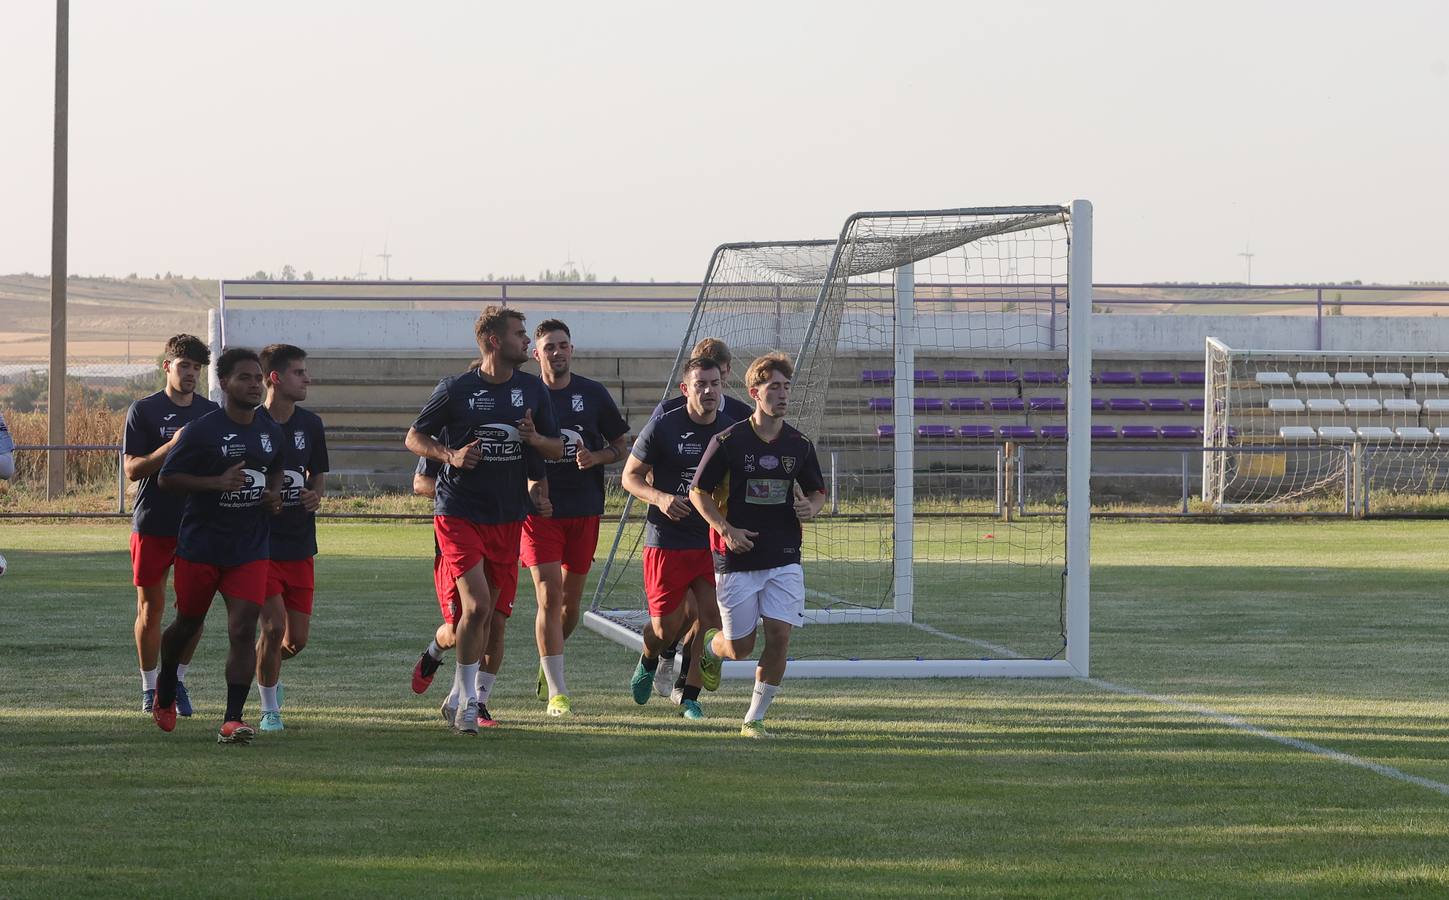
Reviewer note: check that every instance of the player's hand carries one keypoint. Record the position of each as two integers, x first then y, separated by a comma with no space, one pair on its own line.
804,509
586,458
675,507
466,457
739,539
310,499
233,479
272,501
526,429
176,436
538,493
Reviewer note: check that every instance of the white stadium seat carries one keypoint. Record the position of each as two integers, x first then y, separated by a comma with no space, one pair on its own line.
1442,434
1414,433
1361,404
1315,378
1274,378
1285,404
1401,405
1337,433
1437,405
1391,379
1433,379
1324,404
1375,433
1297,432
1352,378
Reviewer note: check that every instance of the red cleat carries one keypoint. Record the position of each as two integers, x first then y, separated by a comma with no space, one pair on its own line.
235,733
485,718
423,672
165,716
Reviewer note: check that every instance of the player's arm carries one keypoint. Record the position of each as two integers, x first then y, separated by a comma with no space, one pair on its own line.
425,485
614,451
175,475
538,496
636,471
317,469
142,465
7,466
541,431
713,468
809,490
429,447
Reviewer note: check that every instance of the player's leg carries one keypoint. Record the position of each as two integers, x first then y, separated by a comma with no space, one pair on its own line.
666,616
196,584
474,622
151,558
782,607
573,598
664,676
492,663
580,544
244,588
738,599
445,587
548,628
691,676
272,628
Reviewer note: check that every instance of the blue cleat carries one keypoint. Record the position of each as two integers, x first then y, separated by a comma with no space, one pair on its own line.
183,700
148,700
642,684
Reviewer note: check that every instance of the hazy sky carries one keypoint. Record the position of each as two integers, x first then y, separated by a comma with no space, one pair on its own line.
215,139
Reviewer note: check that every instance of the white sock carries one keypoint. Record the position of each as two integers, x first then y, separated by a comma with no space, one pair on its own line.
485,685
453,696
435,651
148,679
553,673
269,698
181,671
709,650
467,678
760,701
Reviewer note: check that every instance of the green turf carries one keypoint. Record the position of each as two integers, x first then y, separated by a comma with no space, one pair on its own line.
1332,633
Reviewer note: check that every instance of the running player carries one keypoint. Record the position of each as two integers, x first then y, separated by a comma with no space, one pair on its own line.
228,464
758,481
500,426
559,549
677,560
287,615
717,350
153,426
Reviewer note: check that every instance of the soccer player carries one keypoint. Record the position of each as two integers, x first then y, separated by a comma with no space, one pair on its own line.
287,613
500,427
677,560
228,464
719,351
153,426
7,452
559,549
758,481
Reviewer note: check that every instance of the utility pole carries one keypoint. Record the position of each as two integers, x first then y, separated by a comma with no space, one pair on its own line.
1248,255
55,459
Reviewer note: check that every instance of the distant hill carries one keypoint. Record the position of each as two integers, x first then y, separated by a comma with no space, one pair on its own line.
106,318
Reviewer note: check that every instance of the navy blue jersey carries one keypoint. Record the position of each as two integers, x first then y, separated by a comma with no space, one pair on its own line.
587,417
673,445
7,443
304,454
471,408
753,481
150,422
737,410
225,528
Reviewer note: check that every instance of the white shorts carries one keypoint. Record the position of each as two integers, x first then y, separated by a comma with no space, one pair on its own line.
745,597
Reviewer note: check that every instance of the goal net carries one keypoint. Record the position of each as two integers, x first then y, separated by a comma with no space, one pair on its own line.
929,346
1325,431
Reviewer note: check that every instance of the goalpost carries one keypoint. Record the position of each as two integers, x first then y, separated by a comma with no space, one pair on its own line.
912,571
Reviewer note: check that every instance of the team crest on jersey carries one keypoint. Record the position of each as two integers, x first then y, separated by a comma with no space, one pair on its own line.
749,462
266,443
517,395
769,462
789,463
299,440
577,400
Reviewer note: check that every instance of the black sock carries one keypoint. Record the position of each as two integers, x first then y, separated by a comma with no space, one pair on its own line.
667,653
691,692
684,662
166,682
236,700
650,665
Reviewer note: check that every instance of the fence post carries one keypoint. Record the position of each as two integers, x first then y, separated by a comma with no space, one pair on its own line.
1052,339
121,482
1000,479
1184,482
1318,325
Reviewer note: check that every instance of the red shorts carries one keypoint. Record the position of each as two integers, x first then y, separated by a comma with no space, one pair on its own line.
669,573
462,544
570,541
151,557
291,579
197,583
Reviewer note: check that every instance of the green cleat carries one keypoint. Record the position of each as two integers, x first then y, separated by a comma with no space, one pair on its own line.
542,685
755,729
691,710
271,721
642,684
558,705
709,664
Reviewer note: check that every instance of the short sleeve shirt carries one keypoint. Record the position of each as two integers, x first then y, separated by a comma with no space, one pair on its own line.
673,445
737,410
304,454
471,408
589,418
225,528
753,481
150,422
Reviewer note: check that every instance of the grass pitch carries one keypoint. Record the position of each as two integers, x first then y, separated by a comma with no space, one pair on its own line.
1329,633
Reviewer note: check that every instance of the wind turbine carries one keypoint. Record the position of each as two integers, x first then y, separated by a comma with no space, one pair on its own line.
1248,255
386,260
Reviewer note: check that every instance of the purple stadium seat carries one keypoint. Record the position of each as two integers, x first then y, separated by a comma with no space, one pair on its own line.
1127,404
999,376
1103,432
1018,433
1043,377
1166,404
1181,433
1007,404
1117,378
879,404
1157,378
927,376
1046,404
934,431
929,404
1098,404
960,376
966,404
978,432
1190,378
876,376
885,431
1196,404
1139,432
1054,432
